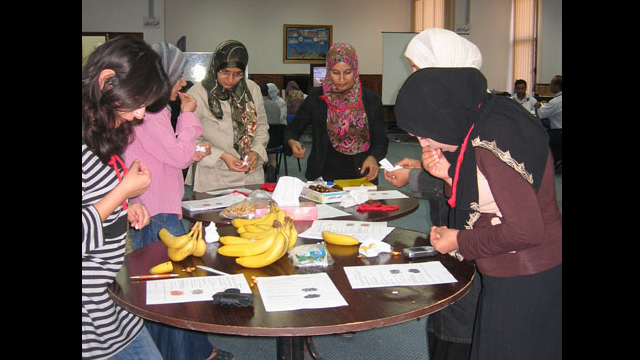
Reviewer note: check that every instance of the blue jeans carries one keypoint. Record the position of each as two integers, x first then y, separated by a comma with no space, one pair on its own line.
141,348
149,234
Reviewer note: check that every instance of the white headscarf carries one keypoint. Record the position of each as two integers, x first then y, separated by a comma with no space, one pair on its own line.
272,89
442,48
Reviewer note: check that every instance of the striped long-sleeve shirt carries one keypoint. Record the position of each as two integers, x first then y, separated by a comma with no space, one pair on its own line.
106,327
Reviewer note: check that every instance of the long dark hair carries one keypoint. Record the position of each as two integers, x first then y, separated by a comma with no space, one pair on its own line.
139,81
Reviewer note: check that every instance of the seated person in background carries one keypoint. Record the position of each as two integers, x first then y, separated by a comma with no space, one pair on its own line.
293,96
270,107
349,132
231,110
273,118
273,96
553,111
521,97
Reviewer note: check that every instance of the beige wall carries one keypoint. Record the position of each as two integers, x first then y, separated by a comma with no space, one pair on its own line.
258,24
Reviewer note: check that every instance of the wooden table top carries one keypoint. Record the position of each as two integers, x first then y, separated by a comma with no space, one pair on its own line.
406,206
367,309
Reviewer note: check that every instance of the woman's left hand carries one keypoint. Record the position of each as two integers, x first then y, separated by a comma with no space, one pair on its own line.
138,216
444,239
252,159
371,164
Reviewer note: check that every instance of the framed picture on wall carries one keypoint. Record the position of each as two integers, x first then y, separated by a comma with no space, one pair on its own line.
306,43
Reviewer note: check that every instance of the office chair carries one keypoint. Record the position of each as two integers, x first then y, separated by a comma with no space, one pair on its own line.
276,146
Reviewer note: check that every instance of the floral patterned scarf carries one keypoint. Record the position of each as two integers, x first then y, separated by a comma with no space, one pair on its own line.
347,124
228,54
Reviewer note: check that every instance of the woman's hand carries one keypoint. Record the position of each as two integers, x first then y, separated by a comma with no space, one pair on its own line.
409,163
436,164
398,178
136,181
252,159
187,102
199,155
138,216
371,164
297,149
444,239
233,163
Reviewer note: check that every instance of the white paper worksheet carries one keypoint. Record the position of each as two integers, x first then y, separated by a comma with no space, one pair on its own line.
295,292
213,203
411,274
326,212
189,289
361,230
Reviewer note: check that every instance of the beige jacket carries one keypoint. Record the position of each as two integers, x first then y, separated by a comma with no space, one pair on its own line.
212,173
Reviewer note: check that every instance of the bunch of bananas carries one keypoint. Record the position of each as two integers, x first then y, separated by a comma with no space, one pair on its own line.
179,247
262,241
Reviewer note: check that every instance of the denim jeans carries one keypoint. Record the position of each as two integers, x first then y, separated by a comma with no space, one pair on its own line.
141,348
149,234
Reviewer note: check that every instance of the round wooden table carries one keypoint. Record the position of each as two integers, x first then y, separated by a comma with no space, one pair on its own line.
368,308
406,207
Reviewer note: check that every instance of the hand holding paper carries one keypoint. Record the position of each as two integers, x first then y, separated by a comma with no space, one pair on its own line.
386,165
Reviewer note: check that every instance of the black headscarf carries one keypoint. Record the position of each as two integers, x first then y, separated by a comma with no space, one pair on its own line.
450,105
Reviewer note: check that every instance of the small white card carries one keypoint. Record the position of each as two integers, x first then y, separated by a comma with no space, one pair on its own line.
386,165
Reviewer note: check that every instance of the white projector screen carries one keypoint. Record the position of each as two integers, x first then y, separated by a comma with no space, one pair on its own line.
395,66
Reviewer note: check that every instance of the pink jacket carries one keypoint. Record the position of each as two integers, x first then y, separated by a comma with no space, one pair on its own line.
165,153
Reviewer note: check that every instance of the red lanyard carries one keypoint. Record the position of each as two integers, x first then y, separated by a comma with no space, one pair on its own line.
452,199
112,162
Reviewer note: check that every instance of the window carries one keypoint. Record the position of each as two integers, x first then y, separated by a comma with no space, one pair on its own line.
525,34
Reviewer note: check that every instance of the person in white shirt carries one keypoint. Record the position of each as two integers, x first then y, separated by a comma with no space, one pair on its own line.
553,111
273,96
521,97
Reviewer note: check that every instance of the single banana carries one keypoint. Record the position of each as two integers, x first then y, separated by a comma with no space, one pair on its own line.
268,257
238,223
241,229
247,249
175,242
339,239
281,215
252,228
257,236
293,235
181,253
162,268
201,246
228,240
287,241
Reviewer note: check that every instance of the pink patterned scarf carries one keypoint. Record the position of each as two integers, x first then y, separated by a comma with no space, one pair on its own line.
347,124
